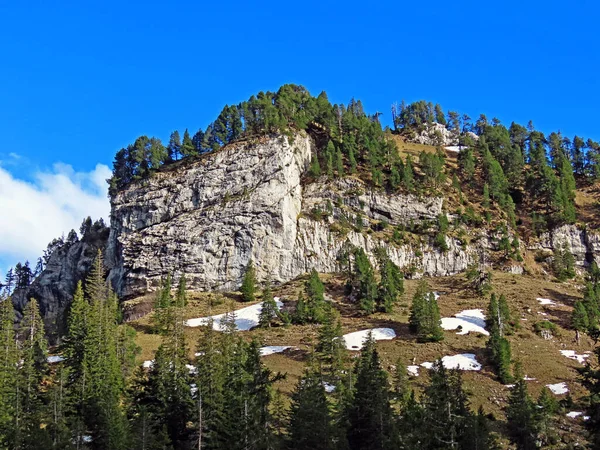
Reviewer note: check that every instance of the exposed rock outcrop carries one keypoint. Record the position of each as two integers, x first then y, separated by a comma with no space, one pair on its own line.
54,287
247,201
583,244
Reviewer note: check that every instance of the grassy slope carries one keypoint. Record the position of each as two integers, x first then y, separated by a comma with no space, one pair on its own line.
541,358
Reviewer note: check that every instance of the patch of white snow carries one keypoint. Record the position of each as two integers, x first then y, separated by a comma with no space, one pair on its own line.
572,355
245,318
455,148
328,387
464,361
55,359
545,301
272,349
148,364
413,370
574,414
558,388
468,320
356,340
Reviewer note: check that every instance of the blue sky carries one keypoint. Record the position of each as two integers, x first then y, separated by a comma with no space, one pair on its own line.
79,80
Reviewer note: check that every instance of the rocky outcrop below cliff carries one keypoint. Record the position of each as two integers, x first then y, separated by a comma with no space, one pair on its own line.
249,201
55,286
582,243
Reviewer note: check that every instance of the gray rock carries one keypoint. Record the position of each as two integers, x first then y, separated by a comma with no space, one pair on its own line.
248,202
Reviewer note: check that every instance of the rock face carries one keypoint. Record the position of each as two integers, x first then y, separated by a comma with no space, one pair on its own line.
210,217
583,244
54,287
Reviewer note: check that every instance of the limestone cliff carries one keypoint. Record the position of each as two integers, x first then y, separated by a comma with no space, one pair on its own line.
208,218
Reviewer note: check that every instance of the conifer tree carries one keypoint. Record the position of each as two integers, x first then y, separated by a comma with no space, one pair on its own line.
521,415
181,295
248,288
370,413
424,318
187,146
312,306
497,322
310,424
364,279
32,370
163,307
268,310
579,318
315,167
446,409
9,386
391,286
330,347
591,380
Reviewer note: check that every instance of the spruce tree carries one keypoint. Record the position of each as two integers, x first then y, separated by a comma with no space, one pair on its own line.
370,415
268,310
33,369
163,307
579,319
9,385
248,288
521,415
424,318
364,279
330,347
310,424
446,409
391,286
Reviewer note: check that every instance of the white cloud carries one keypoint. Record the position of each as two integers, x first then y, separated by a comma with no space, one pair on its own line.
34,213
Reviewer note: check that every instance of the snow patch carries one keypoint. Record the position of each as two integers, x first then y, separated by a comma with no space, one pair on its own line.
55,359
329,388
356,340
468,320
526,378
574,414
245,318
455,148
572,355
147,364
463,361
545,301
413,370
272,349
558,388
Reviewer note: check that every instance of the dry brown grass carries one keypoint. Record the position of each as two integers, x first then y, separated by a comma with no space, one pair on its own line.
541,359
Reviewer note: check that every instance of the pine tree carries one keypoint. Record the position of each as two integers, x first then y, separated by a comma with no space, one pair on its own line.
521,415
248,288
497,322
163,303
310,424
391,286
591,380
181,295
315,167
32,371
187,146
364,279
579,319
313,305
370,414
330,347
424,318
268,311
446,409
9,386
174,147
